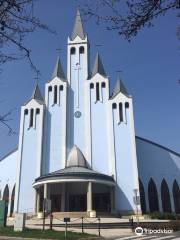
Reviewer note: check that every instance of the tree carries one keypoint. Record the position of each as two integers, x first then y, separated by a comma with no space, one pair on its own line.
17,21
127,17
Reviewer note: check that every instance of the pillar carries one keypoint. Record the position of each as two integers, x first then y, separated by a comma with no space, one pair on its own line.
89,196
63,197
37,201
45,191
112,199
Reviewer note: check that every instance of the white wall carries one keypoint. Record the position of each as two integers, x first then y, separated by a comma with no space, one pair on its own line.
157,162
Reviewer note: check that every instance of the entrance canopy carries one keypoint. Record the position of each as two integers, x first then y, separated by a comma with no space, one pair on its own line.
74,174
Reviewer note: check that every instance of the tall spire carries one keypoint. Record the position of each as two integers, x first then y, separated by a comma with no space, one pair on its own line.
98,67
37,94
119,87
78,27
58,71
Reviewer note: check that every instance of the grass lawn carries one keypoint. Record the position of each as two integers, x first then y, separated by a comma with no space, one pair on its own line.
40,234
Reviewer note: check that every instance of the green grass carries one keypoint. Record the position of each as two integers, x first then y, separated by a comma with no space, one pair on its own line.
40,234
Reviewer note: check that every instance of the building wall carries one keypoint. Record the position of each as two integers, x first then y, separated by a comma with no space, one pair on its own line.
157,163
55,127
8,172
126,173
77,75
99,125
29,156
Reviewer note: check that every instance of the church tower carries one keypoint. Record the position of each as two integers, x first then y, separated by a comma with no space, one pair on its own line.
123,148
55,123
77,74
29,151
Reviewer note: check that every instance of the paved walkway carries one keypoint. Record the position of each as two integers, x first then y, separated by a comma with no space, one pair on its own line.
117,234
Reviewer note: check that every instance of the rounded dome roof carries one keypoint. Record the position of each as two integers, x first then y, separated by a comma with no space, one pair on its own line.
76,158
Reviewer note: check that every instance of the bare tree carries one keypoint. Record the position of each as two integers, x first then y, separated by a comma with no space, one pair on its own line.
127,17
17,21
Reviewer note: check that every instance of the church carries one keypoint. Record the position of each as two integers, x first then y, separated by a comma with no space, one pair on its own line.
78,147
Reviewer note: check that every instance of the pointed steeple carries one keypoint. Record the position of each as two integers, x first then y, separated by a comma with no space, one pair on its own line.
58,70
98,67
119,87
78,27
37,94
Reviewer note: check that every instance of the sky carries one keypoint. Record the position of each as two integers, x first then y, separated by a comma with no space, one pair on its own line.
150,65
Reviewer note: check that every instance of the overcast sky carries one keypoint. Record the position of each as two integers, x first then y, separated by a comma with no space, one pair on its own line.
150,65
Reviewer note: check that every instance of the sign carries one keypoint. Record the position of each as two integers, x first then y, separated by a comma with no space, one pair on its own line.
66,219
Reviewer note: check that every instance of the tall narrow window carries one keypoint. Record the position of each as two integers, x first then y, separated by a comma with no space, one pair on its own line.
55,94
126,105
91,85
81,50
26,111
73,50
114,105
165,197
120,112
50,88
176,196
142,197
61,88
103,84
153,196
37,110
31,117
97,92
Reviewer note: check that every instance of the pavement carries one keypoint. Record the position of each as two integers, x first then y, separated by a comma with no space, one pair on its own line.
110,233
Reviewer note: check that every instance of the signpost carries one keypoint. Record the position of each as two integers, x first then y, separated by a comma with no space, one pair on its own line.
66,220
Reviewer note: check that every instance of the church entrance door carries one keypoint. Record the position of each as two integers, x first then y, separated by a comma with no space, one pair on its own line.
55,202
77,203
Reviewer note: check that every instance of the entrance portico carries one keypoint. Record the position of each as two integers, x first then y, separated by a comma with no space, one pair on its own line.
76,189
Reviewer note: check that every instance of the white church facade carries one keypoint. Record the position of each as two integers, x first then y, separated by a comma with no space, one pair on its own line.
78,147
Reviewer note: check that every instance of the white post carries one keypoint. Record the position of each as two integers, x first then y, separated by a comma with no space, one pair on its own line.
89,197
45,190
37,201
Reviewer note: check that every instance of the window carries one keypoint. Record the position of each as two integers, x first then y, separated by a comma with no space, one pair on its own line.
73,50
103,84
50,88
120,112
142,197
81,50
26,111
176,196
97,92
91,85
61,88
165,197
114,105
126,105
37,110
153,196
55,94
31,118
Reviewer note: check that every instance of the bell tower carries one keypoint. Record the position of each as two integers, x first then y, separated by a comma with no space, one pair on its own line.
77,74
